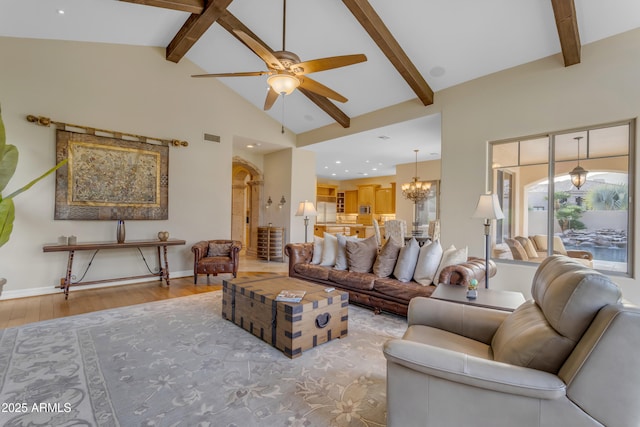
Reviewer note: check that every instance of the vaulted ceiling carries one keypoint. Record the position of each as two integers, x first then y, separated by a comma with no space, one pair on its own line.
414,48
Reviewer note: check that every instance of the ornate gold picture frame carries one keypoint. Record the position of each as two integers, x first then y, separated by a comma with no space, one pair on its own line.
109,178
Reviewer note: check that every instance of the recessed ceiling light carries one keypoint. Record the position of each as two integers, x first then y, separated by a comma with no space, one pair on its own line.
60,12
326,167
250,146
346,170
333,174
366,161
374,169
338,161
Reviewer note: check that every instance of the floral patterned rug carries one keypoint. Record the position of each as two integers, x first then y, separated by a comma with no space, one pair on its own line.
178,363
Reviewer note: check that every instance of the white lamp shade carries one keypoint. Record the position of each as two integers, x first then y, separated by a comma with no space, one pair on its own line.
283,83
306,208
488,207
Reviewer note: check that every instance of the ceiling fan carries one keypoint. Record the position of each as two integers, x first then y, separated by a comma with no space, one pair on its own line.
285,70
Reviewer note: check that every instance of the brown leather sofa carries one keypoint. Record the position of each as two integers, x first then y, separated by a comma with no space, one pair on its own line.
215,257
567,357
379,293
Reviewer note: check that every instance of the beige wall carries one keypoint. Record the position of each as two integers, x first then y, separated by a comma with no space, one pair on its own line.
527,100
128,89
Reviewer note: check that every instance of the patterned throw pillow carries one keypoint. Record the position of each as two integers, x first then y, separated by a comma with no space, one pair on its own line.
219,249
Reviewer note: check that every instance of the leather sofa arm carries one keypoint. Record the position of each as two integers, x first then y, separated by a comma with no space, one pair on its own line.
461,274
200,250
298,253
236,246
477,323
474,371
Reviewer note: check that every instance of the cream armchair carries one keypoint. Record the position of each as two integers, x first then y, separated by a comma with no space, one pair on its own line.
568,357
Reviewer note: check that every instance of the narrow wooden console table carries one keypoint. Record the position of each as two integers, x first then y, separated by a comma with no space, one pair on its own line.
135,244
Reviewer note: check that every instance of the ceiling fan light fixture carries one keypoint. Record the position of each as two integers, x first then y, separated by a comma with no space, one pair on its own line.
283,83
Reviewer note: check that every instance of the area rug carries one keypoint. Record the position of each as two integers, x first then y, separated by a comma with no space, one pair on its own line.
179,363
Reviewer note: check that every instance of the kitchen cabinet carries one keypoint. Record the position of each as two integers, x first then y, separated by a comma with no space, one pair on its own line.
340,202
386,200
351,202
327,193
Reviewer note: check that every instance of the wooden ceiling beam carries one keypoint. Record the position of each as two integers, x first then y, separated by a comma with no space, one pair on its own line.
567,24
378,31
229,22
191,6
195,26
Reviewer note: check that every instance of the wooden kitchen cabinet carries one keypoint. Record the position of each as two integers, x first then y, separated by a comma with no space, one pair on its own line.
386,200
327,193
351,202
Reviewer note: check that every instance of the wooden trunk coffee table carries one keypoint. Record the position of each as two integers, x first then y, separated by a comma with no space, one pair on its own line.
291,327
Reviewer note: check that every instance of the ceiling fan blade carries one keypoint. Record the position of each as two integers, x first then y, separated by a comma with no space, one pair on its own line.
272,96
320,89
244,74
329,63
260,50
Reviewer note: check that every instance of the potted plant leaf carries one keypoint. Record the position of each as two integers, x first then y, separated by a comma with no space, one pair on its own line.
8,164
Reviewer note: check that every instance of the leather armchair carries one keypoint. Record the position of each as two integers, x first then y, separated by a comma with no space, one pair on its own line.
215,256
568,357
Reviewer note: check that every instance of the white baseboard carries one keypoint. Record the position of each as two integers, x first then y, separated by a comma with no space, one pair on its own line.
47,290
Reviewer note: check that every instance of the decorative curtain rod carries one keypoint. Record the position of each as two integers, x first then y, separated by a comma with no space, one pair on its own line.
46,121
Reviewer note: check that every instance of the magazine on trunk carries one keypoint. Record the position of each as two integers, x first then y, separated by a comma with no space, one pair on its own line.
290,296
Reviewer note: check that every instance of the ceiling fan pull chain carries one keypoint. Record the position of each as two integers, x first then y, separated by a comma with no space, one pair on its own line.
282,123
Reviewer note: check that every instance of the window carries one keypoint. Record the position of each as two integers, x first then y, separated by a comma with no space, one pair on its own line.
590,220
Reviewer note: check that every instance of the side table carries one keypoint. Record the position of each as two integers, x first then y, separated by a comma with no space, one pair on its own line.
488,298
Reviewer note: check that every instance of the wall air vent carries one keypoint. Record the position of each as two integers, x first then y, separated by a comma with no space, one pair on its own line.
212,138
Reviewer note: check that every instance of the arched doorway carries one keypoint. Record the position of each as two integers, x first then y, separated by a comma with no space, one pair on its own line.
246,203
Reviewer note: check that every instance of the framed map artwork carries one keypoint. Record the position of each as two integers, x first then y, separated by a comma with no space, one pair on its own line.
110,178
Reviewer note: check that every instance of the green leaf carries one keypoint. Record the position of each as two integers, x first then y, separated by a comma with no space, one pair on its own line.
7,216
32,183
8,163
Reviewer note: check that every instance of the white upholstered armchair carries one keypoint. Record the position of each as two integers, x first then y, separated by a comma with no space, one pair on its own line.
568,357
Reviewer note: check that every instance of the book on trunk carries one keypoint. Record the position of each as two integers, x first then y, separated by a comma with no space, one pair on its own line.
290,296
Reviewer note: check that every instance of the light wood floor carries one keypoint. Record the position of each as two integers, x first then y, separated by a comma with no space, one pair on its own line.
20,311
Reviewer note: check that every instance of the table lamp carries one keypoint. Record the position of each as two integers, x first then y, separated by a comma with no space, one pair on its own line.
488,208
306,209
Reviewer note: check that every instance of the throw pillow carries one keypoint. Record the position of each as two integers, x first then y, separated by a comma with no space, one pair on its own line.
341,252
318,243
361,254
329,250
407,260
527,244
451,256
428,262
219,249
517,250
386,259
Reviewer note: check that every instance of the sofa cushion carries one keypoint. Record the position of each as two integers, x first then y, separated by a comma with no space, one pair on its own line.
401,290
312,271
219,249
386,259
526,339
361,254
570,295
528,246
352,280
517,250
566,298
428,262
318,243
329,250
407,260
450,256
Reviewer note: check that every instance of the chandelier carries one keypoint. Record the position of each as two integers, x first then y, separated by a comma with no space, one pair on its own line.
578,174
416,190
